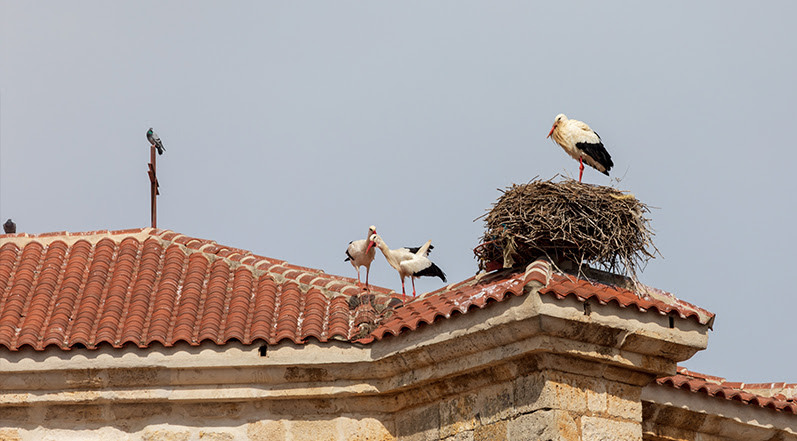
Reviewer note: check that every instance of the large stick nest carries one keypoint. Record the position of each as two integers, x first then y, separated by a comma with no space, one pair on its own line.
569,223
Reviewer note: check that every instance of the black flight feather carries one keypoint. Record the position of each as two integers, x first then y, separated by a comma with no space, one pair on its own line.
432,271
598,153
414,250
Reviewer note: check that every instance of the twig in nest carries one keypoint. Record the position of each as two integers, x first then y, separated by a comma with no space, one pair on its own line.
568,221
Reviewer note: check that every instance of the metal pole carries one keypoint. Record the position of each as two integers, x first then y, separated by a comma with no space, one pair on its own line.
153,179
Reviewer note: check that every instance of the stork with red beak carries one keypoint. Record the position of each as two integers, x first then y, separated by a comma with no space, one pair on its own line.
582,143
360,253
409,262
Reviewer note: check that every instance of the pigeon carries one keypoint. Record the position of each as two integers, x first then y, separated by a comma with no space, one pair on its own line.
10,227
153,139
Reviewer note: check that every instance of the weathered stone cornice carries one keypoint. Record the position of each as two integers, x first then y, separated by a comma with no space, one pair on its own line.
671,413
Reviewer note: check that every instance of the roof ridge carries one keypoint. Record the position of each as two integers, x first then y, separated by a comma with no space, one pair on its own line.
69,238
641,296
212,250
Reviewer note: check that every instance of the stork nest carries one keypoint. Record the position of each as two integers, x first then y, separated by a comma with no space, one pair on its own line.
569,223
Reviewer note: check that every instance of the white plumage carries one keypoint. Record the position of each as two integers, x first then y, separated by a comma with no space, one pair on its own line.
360,253
410,262
582,143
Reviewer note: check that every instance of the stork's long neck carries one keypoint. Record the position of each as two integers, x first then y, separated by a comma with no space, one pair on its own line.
391,259
558,134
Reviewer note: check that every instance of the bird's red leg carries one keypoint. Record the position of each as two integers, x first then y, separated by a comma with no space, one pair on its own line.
367,272
580,169
359,283
403,293
413,287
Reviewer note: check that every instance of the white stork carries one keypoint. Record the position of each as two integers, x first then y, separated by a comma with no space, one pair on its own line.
409,262
582,143
360,253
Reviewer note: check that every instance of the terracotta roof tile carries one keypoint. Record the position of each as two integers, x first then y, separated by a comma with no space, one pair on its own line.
148,285
480,290
719,388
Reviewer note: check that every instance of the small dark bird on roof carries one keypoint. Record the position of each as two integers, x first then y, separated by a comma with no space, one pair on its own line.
10,227
155,140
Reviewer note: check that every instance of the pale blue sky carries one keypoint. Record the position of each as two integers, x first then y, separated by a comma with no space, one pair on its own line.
292,126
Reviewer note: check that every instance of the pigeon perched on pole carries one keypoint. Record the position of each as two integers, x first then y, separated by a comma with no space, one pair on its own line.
153,139
10,227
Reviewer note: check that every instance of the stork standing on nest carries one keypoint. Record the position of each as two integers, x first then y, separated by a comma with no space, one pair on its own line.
582,143
360,253
409,262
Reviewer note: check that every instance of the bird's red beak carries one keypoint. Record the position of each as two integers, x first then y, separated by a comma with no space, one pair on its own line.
552,129
370,244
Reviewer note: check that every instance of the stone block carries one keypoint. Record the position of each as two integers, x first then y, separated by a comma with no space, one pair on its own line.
570,391
10,435
495,403
457,415
364,429
14,415
461,436
213,410
602,429
528,392
306,374
491,432
705,437
215,436
85,378
653,431
419,424
667,416
76,412
136,377
552,390
544,425
598,399
318,430
572,365
138,411
266,431
627,376
166,435
624,401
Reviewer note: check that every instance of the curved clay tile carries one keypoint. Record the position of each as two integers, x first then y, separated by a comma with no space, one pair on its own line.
718,388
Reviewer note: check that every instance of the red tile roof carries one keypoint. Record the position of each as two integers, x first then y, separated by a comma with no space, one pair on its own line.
719,388
148,285
498,286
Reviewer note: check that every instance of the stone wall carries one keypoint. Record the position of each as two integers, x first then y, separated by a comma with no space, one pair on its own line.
548,404
184,422
544,404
